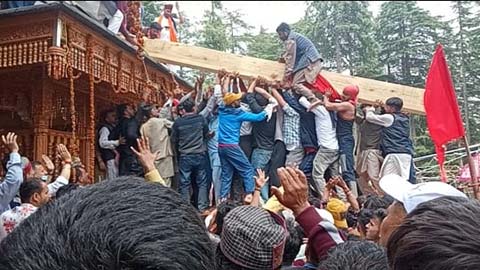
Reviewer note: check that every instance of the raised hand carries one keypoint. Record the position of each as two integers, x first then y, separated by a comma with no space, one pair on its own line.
48,163
294,183
63,153
11,142
260,180
144,154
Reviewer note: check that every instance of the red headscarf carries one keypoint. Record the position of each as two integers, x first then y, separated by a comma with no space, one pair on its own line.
352,92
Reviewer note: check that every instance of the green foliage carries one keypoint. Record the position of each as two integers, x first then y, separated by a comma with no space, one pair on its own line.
151,10
265,45
344,34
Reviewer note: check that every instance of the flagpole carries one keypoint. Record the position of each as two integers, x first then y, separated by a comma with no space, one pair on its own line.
473,171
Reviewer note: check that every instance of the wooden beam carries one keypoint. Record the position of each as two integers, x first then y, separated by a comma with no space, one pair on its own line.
250,67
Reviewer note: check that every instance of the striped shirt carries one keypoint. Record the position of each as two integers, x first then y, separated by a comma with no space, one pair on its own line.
291,128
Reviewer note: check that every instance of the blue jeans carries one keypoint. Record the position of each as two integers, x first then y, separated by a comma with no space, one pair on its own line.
260,159
233,158
216,173
193,167
347,143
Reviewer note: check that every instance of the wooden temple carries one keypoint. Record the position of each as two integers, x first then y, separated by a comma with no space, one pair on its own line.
59,69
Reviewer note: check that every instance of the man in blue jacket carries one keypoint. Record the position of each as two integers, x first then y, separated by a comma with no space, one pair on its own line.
230,118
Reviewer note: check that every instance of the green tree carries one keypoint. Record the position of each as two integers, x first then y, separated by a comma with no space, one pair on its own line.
213,33
466,65
344,34
238,31
407,36
151,10
265,45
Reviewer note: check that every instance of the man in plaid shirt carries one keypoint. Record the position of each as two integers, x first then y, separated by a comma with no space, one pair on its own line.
291,128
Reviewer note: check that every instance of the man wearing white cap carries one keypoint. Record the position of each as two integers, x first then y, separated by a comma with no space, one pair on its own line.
407,197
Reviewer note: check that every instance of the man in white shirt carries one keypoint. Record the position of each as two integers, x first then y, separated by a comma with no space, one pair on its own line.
33,193
396,146
106,146
327,155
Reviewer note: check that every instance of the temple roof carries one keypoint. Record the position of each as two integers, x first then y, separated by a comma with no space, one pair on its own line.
94,25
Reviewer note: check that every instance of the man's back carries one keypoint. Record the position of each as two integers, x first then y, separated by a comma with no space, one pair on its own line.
306,52
189,134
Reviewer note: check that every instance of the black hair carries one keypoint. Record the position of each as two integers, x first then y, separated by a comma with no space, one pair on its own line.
121,110
30,187
438,234
374,202
293,242
107,112
155,25
396,103
188,105
65,190
359,255
123,223
351,218
314,201
364,217
380,214
222,210
283,27
261,100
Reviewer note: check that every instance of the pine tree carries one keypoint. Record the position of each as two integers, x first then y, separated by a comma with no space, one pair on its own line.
344,34
265,45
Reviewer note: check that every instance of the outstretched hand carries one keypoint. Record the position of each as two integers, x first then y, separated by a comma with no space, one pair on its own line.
295,195
260,180
63,153
11,142
48,163
144,154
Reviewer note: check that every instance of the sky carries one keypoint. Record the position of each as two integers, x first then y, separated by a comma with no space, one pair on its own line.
270,14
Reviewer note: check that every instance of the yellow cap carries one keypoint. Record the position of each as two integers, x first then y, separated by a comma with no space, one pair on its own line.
338,209
230,98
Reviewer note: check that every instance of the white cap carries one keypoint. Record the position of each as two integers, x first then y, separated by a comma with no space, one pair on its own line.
325,215
411,195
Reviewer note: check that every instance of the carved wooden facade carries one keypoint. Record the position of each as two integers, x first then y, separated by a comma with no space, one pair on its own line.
53,57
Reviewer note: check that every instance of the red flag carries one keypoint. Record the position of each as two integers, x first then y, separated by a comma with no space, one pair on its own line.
322,85
443,116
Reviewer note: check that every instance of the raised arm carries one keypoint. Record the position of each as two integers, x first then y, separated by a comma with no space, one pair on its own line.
337,107
14,177
253,117
278,97
384,120
64,176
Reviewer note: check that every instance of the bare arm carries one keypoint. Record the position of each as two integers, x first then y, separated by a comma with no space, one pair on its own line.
337,107
263,92
278,97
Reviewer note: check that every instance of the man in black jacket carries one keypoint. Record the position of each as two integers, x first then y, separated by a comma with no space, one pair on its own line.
189,136
128,128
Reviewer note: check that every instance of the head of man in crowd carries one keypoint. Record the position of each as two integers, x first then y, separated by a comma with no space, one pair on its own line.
110,117
167,10
150,111
233,99
393,105
283,30
350,93
407,197
154,30
252,238
439,234
355,255
34,192
373,226
39,171
125,223
186,106
125,111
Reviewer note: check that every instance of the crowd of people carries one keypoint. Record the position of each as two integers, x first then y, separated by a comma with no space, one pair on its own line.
257,175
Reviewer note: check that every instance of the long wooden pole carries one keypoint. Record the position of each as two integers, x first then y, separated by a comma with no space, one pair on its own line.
473,170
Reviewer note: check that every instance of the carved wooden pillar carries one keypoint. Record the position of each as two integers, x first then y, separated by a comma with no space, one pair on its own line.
40,118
